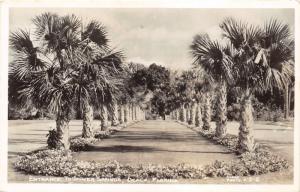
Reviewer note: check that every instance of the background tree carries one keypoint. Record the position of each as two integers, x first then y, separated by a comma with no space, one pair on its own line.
154,83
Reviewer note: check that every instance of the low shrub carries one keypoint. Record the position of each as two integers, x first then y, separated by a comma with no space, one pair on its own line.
263,161
102,134
261,112
81,144
105,134
233,111
53,139
78,143
230,141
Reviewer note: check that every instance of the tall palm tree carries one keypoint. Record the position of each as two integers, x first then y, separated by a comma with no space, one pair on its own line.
44,83
100,72
62,69
262,58
213,58
202,87
193,80
174,99
289,88
181,96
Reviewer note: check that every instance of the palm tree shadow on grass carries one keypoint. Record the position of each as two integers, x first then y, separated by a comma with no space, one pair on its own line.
22,141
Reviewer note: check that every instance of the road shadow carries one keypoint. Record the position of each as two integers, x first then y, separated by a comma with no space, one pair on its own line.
138,149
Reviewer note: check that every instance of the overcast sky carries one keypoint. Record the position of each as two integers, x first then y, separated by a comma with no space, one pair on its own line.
162,36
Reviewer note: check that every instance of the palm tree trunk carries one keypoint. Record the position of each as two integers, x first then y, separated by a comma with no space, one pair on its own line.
192,113
246,140
142,114
135,112
289,99
198,118
88,116
286,102
173,114
129,113
207,111
104,118
132,112
62,128
183,114
114,115
187,111
126,113
121,115
221,119
138,113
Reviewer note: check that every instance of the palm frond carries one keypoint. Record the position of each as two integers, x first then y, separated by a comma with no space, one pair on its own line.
234,31
20,41
275,31
96,32
24,65
240,34
46,25
112,60
26,58
212,56
69,31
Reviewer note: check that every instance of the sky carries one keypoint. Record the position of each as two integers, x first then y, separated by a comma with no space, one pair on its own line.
159,36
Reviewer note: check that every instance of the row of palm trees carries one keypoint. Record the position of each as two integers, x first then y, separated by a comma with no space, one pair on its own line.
250,59
66,66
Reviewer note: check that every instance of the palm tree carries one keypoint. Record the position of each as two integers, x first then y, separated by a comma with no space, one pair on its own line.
192,80
63,69
262,58
180,95
202,87
135,91
104,117
44,82
115,114
213,58
289,88
174,98
100,73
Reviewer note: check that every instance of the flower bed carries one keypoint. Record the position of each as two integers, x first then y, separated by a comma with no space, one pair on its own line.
230,141
261,161
61,163
81,144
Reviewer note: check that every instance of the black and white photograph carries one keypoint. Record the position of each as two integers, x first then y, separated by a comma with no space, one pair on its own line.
106,95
